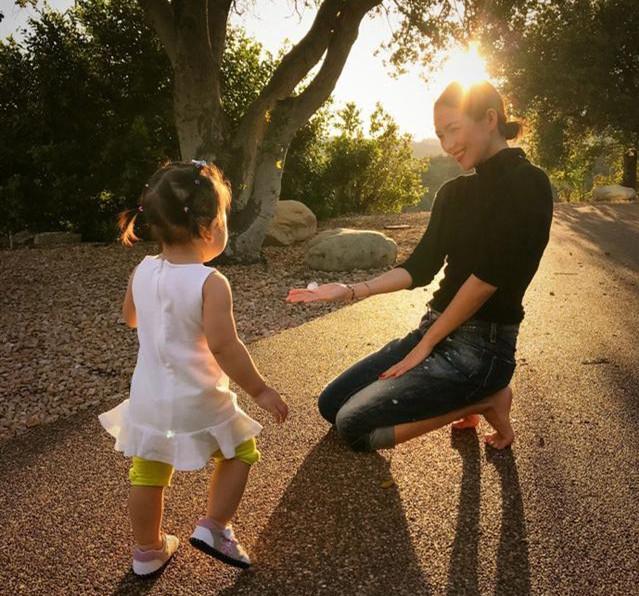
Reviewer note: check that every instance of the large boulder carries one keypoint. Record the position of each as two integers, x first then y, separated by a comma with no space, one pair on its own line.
47,239
343,249
293,222
614,192
19,240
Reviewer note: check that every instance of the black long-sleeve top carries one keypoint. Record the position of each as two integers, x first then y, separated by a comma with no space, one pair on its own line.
494,224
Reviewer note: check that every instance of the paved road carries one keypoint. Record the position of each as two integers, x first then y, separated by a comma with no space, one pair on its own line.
557,514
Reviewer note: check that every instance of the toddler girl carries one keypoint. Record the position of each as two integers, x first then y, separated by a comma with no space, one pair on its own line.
181,411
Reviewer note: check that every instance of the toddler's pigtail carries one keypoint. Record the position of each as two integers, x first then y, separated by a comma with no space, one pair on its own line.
126,223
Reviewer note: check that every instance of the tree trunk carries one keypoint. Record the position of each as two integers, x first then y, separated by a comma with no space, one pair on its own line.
630,168
199,123
193,35
259,181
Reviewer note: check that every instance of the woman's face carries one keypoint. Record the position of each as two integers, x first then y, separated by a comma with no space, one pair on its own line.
467,140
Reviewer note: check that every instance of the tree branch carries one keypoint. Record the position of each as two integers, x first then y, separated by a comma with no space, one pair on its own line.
293,67
218,14
299,109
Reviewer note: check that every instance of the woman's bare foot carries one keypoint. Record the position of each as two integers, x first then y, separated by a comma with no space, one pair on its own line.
470,421
498,416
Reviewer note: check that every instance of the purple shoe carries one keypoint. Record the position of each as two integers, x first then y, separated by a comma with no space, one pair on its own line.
148,562
220,544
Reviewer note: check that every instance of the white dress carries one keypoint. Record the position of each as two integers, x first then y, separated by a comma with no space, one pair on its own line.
180,409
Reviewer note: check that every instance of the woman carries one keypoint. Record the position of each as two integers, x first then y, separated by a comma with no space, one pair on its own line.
491,228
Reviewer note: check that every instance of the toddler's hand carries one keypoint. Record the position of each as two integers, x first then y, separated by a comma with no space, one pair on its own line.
270,400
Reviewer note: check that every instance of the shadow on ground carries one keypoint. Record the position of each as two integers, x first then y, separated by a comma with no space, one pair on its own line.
336,526
512,564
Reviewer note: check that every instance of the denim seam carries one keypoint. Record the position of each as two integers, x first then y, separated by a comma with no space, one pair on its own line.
490,370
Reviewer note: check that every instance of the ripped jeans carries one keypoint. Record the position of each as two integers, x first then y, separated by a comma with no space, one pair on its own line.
474,361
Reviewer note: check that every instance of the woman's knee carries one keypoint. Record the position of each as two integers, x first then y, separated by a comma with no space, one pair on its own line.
349,426
329,402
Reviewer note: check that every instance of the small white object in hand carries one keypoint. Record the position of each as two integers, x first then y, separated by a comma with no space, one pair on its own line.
312,286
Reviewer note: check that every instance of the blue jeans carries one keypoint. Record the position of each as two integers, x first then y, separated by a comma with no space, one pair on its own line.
474,361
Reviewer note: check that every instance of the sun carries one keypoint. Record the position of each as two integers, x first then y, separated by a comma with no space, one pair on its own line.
464,65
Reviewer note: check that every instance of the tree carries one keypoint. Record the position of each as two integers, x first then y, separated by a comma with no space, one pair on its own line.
354,170
251,142
86,105
253,152
85,115
573,71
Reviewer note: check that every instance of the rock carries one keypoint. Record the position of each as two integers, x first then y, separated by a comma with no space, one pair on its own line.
343,249
614,192
293,222
19,240
55,239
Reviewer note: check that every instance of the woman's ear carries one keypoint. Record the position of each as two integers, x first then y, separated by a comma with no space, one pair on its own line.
492,119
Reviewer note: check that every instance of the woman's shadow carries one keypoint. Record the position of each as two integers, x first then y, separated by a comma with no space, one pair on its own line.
513,569
339,529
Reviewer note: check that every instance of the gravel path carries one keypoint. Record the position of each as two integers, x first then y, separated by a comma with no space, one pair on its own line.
556,514
64,346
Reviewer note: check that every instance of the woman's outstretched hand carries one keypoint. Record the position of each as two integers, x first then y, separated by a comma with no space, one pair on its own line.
416,356
332,292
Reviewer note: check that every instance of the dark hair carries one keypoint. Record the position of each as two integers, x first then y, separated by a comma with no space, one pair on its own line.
476,100
179,200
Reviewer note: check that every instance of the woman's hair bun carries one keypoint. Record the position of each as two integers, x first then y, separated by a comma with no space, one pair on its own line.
512,129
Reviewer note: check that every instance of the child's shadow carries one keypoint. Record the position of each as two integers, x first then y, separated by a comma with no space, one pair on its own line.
131,585
336,530
513,569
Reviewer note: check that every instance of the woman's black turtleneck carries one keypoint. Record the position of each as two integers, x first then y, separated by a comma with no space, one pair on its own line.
494,224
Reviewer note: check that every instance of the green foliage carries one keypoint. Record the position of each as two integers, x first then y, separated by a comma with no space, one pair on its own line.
572,72
352,172
441,168
86,107
246,68
86,115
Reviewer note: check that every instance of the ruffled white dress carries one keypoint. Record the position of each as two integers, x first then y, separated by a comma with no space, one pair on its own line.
180,409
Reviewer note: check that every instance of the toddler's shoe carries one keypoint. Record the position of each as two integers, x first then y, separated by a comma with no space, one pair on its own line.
149,562
220,544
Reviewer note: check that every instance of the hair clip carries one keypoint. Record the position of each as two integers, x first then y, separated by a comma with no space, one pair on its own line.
199,163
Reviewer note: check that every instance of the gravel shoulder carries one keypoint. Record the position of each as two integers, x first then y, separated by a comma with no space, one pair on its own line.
64,346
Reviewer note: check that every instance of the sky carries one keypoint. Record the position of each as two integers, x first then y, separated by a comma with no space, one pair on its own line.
365,79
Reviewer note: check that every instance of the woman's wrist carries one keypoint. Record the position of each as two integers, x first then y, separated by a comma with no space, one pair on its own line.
358,291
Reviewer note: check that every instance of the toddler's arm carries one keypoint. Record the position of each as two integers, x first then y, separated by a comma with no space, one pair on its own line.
228,348
128,306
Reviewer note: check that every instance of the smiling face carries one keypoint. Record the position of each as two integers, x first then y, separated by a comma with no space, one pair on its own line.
467,140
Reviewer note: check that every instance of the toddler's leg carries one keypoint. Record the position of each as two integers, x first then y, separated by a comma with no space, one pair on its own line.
226,488
228,482
146,501
146,504
213,534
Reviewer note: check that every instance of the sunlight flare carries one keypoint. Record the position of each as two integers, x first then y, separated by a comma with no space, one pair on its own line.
464,65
